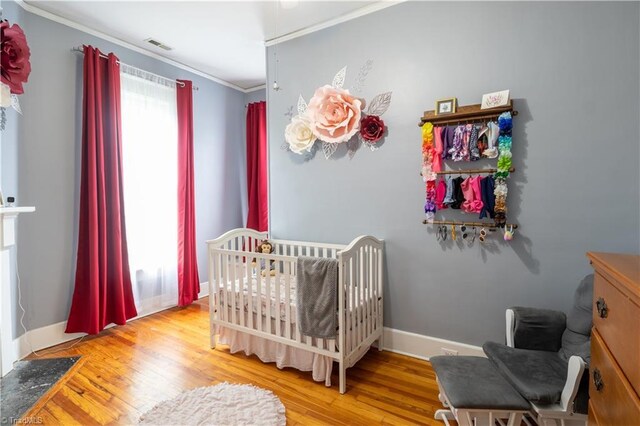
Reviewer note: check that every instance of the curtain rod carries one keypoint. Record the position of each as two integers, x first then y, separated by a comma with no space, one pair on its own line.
79,49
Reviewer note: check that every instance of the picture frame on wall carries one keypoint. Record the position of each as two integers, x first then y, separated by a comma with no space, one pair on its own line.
495,99
446,106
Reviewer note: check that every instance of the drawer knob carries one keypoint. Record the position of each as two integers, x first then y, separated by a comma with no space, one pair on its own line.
597,380
601,306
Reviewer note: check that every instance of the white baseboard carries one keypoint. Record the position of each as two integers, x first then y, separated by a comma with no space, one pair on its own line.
44,337
52,335
204,290
398,341
424,347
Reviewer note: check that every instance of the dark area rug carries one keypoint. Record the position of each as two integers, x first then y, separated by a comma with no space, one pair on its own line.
27,383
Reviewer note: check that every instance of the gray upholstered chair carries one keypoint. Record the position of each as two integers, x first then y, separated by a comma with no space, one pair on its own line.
546,356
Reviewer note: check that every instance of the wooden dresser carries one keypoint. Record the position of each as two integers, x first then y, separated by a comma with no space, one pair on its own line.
614,385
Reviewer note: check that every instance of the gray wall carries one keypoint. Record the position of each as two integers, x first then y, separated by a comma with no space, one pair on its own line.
573,71
255,96
42,165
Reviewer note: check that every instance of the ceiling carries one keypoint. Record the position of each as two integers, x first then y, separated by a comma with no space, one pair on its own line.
224,39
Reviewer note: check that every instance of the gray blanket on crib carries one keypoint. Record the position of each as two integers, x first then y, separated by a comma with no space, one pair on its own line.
317,296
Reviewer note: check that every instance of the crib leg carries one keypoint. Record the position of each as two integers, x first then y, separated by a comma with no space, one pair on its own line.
343,377
381,341
213,341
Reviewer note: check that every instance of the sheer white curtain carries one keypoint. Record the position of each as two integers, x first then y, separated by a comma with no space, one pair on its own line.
149,145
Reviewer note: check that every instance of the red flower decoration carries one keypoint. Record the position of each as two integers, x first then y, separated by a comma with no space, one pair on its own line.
14,53
371,128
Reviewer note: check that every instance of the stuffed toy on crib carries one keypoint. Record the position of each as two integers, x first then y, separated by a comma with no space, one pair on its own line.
265,247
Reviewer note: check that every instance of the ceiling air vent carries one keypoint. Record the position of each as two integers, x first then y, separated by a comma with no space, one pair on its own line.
158,44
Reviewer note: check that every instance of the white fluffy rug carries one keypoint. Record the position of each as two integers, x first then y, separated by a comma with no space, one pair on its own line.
223,404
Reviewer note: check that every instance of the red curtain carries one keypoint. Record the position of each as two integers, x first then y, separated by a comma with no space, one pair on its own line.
188,279
102,293
258,214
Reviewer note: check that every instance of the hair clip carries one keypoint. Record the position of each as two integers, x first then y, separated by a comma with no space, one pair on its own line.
483,235
453,232
508,235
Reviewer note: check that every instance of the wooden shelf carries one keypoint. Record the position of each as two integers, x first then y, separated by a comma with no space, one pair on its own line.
491,225
470,171
466,113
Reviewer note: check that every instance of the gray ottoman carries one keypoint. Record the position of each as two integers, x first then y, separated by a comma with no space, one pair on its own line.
475,393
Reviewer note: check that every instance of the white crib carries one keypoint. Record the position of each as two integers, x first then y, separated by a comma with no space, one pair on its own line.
242,299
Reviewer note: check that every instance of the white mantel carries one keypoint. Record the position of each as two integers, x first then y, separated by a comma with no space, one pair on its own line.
13,210
8,229
8,353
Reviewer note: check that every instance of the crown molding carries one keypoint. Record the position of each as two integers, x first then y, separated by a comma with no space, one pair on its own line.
253,89
69,23
371,8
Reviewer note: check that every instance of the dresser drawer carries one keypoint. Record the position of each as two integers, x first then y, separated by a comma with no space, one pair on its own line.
612,399
618,322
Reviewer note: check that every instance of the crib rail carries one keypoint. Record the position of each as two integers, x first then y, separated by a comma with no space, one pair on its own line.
301,248
238,239
361,275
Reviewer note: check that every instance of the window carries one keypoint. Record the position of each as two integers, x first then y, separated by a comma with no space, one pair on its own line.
149,144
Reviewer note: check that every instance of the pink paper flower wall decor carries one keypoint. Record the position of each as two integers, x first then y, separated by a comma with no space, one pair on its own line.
334,113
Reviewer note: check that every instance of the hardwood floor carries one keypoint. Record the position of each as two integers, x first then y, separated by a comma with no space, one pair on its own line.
127,370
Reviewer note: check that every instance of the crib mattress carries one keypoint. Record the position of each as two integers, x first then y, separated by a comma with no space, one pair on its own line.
246,289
